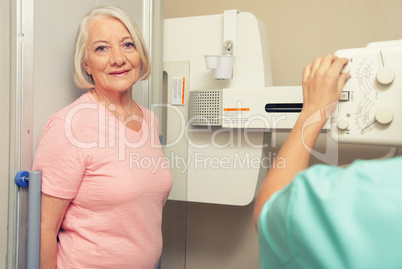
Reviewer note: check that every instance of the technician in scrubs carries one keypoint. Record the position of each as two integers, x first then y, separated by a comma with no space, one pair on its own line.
324,216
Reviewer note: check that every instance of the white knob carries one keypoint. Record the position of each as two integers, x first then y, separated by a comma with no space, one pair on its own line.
385,75
384,115
343,124
347,68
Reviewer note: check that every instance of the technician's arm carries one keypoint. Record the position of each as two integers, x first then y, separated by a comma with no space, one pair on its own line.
322,86
53,210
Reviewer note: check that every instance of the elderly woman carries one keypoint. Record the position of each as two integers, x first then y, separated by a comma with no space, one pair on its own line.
105,179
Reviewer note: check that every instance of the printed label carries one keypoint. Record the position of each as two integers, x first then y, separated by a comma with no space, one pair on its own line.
178,90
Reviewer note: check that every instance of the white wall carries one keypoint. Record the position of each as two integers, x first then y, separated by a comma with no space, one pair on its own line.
4,123
298,31
223,237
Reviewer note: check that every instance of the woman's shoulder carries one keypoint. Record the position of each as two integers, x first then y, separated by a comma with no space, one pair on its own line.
79,108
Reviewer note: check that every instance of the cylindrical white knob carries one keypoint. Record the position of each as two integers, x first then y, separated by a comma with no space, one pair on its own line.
385,75
343,124
384,115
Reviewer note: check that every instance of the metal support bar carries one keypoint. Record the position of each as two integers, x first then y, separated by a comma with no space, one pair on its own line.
34,214
33,180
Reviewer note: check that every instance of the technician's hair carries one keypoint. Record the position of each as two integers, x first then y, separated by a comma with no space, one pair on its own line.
81,78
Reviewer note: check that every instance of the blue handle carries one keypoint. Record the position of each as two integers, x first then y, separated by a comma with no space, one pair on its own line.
22,178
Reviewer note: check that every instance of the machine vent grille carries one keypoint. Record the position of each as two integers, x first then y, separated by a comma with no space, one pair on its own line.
205,108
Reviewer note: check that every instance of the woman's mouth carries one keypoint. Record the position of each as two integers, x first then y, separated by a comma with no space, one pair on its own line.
119,73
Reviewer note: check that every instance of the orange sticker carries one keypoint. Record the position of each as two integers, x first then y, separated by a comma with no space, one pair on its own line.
237,109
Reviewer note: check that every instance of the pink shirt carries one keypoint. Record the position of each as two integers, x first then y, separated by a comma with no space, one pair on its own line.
118,181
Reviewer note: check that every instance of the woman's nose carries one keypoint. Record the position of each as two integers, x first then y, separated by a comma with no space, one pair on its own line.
117,57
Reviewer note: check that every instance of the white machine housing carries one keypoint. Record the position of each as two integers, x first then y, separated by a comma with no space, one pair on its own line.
217,129
213,164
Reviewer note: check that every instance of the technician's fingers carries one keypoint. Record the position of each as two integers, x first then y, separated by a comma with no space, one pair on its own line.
327,62
342,81
315,66
337,65
322,80
336,69
306,73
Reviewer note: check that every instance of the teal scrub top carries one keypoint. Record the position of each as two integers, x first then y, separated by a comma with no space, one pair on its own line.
331,217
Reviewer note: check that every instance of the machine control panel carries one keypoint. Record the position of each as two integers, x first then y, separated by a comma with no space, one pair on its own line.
370,106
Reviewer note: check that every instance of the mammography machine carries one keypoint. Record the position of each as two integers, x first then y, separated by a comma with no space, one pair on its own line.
219,85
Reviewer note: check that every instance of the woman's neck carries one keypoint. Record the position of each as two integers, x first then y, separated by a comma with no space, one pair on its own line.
119,103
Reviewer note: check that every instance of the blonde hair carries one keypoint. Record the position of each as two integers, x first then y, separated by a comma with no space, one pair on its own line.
81,78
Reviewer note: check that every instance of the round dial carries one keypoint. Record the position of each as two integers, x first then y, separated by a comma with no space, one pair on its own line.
384,115
385,75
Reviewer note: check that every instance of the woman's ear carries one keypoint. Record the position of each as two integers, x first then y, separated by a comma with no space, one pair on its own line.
87,68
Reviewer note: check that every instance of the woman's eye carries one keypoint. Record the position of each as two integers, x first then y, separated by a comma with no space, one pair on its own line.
100,48
129,45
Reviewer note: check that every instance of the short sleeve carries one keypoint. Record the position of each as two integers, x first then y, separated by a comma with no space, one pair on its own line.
273,234
152,124
61,162
294,221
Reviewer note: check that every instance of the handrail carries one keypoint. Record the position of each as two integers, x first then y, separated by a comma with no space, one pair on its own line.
34,180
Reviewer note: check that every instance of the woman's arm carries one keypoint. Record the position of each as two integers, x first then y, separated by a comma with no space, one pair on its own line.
53,210
322,86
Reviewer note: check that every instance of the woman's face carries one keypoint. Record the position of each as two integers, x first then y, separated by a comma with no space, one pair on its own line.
112,59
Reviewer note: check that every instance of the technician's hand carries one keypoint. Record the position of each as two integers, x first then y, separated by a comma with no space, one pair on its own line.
323,83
